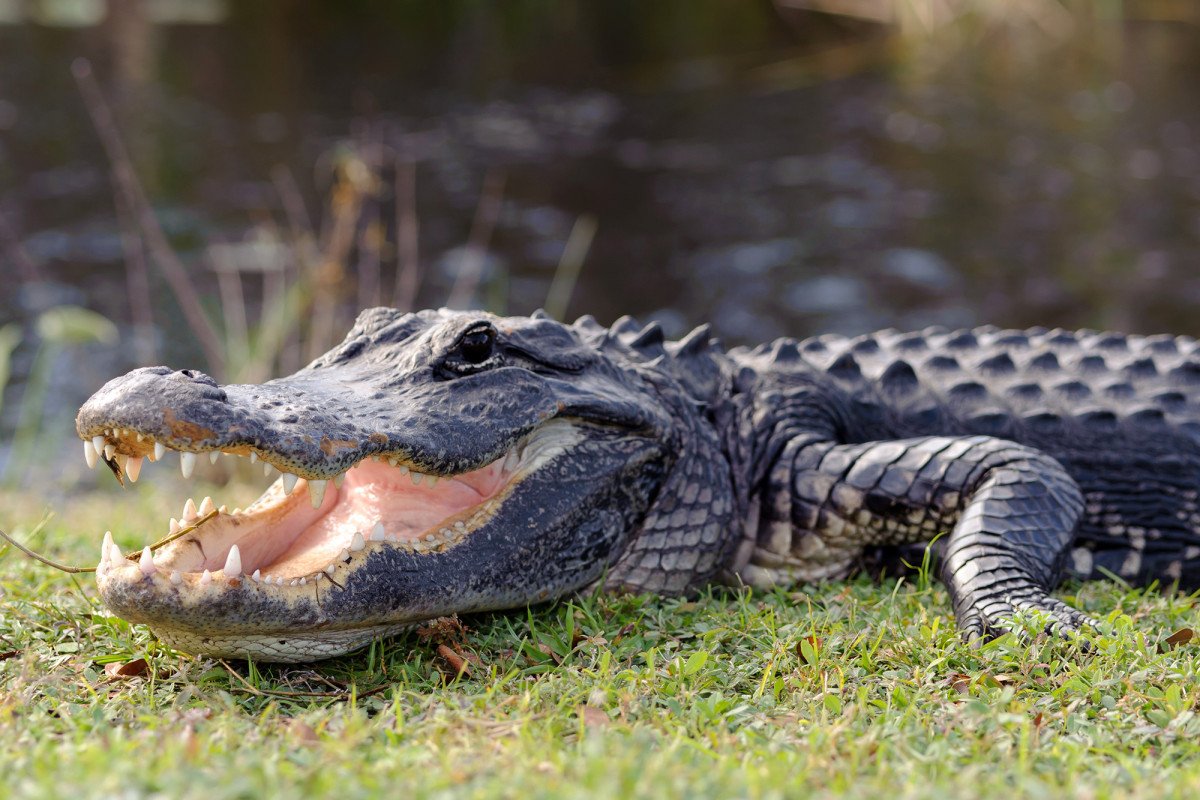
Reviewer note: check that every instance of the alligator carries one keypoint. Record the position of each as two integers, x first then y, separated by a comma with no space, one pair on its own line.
446,462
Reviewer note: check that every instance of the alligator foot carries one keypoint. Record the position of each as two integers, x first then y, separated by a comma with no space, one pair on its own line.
993,618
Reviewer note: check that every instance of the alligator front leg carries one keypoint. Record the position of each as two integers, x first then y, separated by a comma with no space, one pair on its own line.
1008,512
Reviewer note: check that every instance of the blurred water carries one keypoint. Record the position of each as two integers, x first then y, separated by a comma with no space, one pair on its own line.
772,174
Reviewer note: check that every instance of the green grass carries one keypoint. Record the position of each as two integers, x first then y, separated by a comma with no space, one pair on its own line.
852,689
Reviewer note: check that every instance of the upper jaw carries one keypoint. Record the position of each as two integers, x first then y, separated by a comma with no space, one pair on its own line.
313,426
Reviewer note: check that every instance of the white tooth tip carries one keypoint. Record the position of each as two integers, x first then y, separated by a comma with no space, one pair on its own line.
173,528
133,468
187,463
416,478
109,451
98,443
357,542
105,547
289,482
329,570
253,456
377,532
189,510
176,578
257,576
147,562
89,454
267,468
316,492
213,456
338,479
206,578
206,507
344,555
233,563
160,450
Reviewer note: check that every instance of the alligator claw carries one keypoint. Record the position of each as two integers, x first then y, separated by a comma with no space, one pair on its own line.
997,618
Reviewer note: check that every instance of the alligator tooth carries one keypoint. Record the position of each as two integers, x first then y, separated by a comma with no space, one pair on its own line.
267,468
233,563
133,468
213,456
403,468
115,556
206,578
257,576
160,450
429,537
339,479
187,463
511,460
329,570
433,479
173,528
344,555
289,482
89,454
253,457
147,562
416,478
206,506
460,526
303,581
279,580
98,443
223,510
356,542
109,450
294,582
316,492
189,511
377,532
105,545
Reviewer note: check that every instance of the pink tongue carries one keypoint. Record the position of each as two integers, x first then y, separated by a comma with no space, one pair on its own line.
372,493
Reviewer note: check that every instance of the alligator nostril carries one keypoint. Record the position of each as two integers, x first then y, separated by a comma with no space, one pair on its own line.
197,376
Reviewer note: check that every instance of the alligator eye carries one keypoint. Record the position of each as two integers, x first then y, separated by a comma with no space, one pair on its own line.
477,346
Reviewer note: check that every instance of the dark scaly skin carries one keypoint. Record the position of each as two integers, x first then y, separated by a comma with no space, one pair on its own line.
1030,453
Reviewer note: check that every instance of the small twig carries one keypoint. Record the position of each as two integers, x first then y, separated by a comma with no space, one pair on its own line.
128,556
254,690
470,270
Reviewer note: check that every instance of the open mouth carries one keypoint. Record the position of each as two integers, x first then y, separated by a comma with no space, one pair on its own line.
302,531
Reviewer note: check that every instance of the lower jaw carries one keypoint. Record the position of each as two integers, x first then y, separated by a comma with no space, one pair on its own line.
292,648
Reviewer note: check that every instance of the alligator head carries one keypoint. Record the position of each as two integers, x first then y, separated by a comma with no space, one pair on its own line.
433,463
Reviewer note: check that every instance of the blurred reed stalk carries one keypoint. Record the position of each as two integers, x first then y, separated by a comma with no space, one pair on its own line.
470,269
306,271
130,190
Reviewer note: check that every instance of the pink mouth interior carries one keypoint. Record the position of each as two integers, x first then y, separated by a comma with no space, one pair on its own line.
293,539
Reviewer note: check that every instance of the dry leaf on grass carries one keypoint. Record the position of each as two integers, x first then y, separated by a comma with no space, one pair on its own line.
1177,639
594,717
117,670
